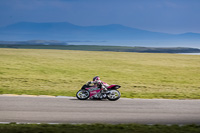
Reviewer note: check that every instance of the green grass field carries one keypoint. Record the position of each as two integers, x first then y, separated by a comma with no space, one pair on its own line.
63,72
97,128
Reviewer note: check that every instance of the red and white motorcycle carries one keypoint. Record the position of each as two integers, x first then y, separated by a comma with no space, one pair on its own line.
94,92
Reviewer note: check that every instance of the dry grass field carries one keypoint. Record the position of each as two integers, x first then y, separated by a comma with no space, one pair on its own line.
63,72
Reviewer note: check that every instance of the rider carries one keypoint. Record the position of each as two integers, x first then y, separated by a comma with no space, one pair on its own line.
97,82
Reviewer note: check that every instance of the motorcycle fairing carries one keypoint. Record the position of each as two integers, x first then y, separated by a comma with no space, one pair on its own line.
93,90
114,87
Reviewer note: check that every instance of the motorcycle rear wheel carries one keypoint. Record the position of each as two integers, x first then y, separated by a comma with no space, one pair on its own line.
113,95
83,94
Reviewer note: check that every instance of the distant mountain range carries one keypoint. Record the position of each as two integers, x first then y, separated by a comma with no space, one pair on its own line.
64,31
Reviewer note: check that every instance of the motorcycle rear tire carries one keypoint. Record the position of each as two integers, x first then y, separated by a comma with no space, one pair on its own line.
116,95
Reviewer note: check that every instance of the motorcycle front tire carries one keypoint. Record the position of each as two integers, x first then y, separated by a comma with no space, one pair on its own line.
83,94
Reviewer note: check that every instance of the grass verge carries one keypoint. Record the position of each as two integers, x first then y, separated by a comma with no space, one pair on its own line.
97,128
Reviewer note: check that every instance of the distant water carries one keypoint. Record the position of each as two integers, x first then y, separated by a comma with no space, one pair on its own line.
190,53
140,43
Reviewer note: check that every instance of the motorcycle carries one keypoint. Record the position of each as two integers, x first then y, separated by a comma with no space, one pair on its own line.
94,92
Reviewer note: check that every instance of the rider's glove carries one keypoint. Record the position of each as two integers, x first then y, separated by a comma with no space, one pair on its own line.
88,83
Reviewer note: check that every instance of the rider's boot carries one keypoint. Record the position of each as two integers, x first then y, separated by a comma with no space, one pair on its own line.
102,96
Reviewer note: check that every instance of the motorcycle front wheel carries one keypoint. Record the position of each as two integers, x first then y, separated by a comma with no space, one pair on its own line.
83,94
113,95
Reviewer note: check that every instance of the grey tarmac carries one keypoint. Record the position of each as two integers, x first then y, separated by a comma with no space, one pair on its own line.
30,109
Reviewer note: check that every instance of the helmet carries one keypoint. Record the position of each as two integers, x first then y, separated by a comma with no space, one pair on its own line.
96,78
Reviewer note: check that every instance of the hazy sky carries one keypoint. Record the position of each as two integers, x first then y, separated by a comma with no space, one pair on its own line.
169,16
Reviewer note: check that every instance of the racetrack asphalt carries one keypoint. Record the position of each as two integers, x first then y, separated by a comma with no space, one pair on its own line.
24,109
